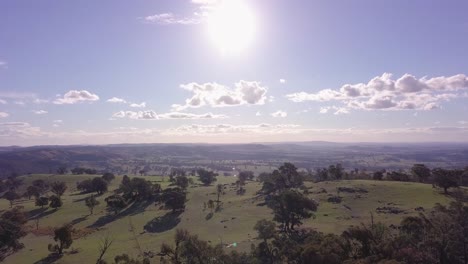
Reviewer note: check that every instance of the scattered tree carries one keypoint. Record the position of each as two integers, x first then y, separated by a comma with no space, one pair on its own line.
174,198
42,201
55,202
62,235
206,177
58,188
11,196
11,231
91,202
182,182
62,170
99,185
445,178
290,207
108,177
115,203
421,172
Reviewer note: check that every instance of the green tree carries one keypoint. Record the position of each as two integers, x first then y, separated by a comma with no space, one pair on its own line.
290,207
206,177
55,202
91,202
445,178
174,198
108,177
115,203
42,201
32,191
11,231
182,182
421,172
99,185
62,235
219,191
58,188
11,196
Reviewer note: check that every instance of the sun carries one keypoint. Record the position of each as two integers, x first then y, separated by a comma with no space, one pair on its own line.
231,26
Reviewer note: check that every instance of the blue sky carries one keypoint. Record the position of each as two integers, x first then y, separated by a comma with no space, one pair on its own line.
361,70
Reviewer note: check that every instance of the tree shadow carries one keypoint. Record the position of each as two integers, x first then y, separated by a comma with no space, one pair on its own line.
78,220
135,208
39,213
163,223
51,258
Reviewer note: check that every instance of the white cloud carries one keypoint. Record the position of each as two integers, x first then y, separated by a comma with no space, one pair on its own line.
217,95
140,105
463,122
3,115
171,19
116,100
279,114
258,114
19,130
334,109
40,112
40,101
19,103
385,93
3,64
3,101
58,121
283,81
74,96
151,115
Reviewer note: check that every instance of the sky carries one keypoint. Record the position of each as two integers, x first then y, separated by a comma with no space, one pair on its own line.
232,71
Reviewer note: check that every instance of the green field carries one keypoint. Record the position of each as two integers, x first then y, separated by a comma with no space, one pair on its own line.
234,223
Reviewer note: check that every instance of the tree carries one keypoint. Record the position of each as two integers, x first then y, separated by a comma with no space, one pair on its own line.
63,236
174,198
211,205
58,188
219,191
421,172
32,191
378,175
445,178
11,196
206,177
42,201
105,244
41,185
108,177
99,185
11,231
290,207
336,171
85,186
115,203
91,202
55,202
244,176
62,170
265,229
182,182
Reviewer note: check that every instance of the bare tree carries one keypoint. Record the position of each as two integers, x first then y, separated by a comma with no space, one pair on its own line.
105,244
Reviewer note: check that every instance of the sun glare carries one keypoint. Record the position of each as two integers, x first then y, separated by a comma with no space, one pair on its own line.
231,26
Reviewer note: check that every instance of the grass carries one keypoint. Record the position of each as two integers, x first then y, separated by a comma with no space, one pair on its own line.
234,223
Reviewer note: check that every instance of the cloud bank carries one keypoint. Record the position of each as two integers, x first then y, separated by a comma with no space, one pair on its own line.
385,93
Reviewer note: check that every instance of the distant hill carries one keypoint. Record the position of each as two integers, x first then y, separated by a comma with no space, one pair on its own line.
153,158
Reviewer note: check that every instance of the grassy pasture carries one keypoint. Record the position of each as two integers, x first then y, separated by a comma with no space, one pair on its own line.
234,223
